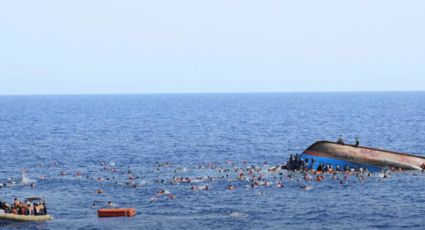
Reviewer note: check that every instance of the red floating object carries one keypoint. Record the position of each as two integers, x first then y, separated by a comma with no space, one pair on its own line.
116,212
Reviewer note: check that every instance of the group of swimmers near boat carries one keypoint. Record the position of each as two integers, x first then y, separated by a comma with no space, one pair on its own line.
24,208
296,163
205,177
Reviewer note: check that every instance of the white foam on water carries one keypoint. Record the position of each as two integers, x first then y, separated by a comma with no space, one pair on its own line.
197,180
308,188
26,180
238,214
181,169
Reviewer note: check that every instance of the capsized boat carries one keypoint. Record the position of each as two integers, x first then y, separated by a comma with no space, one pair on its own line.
328,152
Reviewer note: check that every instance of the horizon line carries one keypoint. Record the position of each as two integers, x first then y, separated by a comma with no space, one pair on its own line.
212,92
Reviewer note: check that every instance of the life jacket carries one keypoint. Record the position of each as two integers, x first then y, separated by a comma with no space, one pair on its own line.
41,209
23,210
16,203
37,209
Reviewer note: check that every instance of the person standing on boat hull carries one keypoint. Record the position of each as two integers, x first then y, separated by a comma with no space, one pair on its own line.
340,140
357,142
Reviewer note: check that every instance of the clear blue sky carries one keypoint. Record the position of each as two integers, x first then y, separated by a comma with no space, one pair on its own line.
100,46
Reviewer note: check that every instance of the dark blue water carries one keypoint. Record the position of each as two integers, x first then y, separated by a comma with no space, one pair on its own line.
136,132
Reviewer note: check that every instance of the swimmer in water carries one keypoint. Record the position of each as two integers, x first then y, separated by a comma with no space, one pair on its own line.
279,184
306,187
162,192
110,204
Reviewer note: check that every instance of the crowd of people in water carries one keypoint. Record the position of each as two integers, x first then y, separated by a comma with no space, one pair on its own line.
26,207
212,176
296,163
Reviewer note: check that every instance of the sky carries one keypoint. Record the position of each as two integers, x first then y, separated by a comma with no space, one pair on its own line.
193,46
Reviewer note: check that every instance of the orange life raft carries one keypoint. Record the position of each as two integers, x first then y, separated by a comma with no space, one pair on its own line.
115,212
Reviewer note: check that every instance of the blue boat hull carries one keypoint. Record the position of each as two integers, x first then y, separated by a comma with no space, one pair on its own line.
335,162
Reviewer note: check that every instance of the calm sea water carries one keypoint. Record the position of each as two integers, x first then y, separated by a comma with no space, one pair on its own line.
136,132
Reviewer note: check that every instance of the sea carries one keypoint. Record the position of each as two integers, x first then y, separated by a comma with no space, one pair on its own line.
83,150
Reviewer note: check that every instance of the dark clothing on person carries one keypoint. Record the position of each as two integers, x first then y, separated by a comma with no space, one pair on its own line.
44,209
340,140
357,143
